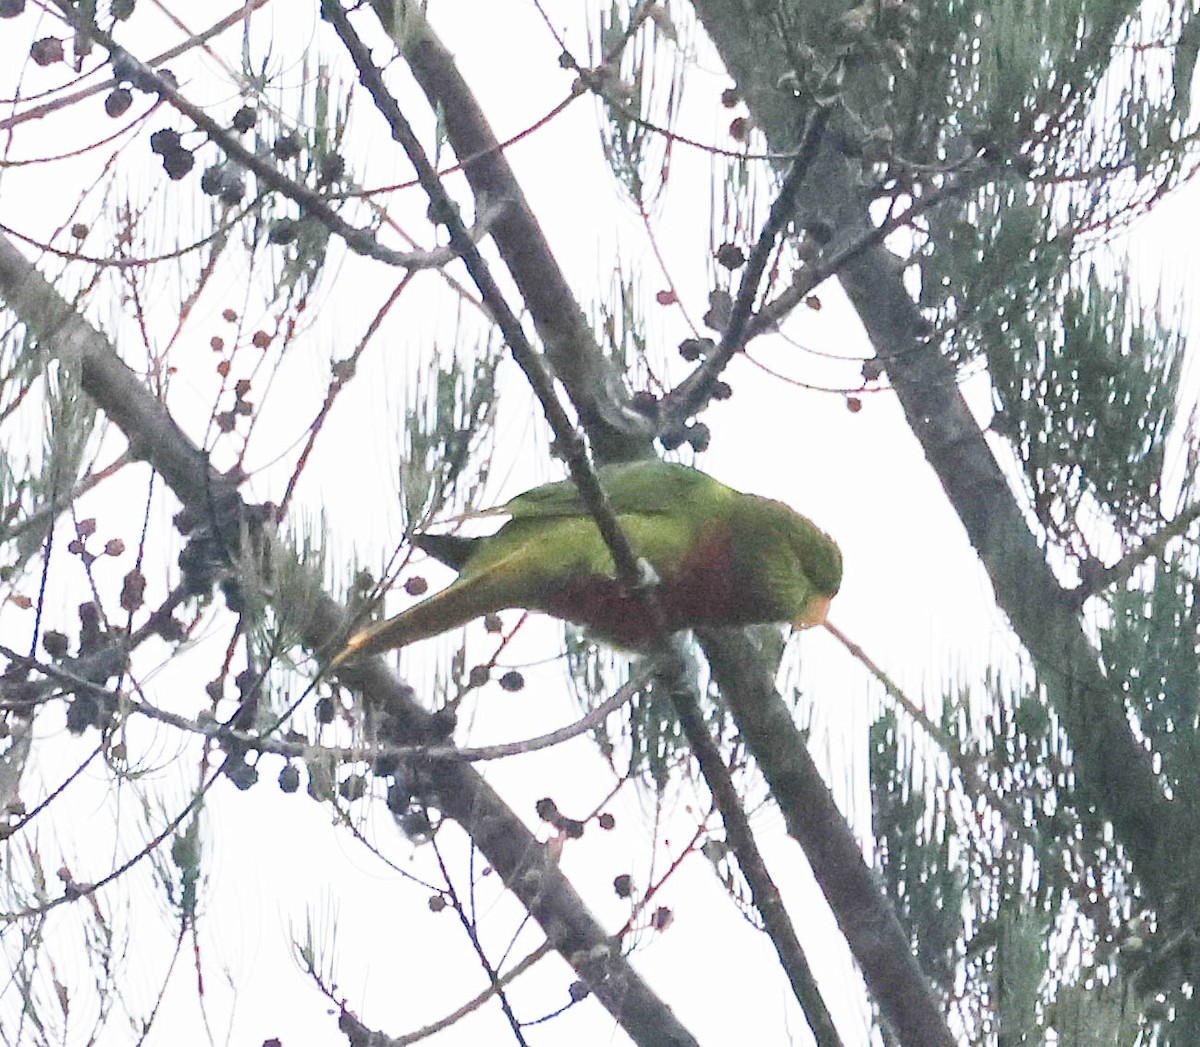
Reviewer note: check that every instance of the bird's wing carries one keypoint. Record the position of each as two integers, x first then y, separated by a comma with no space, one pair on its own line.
649,488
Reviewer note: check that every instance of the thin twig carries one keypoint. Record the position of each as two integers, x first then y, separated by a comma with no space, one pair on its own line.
687,397
75,890
1099,580
947,744
974,781
471,929
313,203
199,40
502,981
76,680
828,265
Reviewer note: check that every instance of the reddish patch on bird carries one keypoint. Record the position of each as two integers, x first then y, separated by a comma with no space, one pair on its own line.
703,590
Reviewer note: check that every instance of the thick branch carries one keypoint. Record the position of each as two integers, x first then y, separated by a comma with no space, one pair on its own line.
1111,762
453,788
765,895
852,890
617,434
813,819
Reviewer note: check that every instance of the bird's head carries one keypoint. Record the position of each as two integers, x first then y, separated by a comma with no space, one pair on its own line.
820,565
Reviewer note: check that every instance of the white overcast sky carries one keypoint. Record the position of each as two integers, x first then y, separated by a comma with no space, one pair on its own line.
914,595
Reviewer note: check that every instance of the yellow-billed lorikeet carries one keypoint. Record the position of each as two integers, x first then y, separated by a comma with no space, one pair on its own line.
722,558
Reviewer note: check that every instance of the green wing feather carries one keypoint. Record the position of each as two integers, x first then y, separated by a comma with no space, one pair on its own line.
636,487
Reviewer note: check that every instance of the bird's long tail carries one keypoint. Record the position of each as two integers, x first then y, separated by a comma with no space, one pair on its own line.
460,602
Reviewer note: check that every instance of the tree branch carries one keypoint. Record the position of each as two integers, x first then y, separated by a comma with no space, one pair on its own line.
765,895
813,819
1111,761
60,102
1096,581
457,790
592,383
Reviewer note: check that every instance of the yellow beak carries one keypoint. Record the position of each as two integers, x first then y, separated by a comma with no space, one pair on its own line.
815,613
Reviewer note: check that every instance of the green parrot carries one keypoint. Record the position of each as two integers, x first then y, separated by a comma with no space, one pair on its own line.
722,558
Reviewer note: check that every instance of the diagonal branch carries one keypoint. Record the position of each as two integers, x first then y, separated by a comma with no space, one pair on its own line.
65,101
693,393
863,912
765,895
1110,761
1112,764
832,262
457,790
591,381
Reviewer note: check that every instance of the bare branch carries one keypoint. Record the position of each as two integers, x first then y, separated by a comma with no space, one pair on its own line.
813,819
456,789
1101,578
593,385
361,1036
830,264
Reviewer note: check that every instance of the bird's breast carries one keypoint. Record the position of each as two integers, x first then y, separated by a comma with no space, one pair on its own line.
701,590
